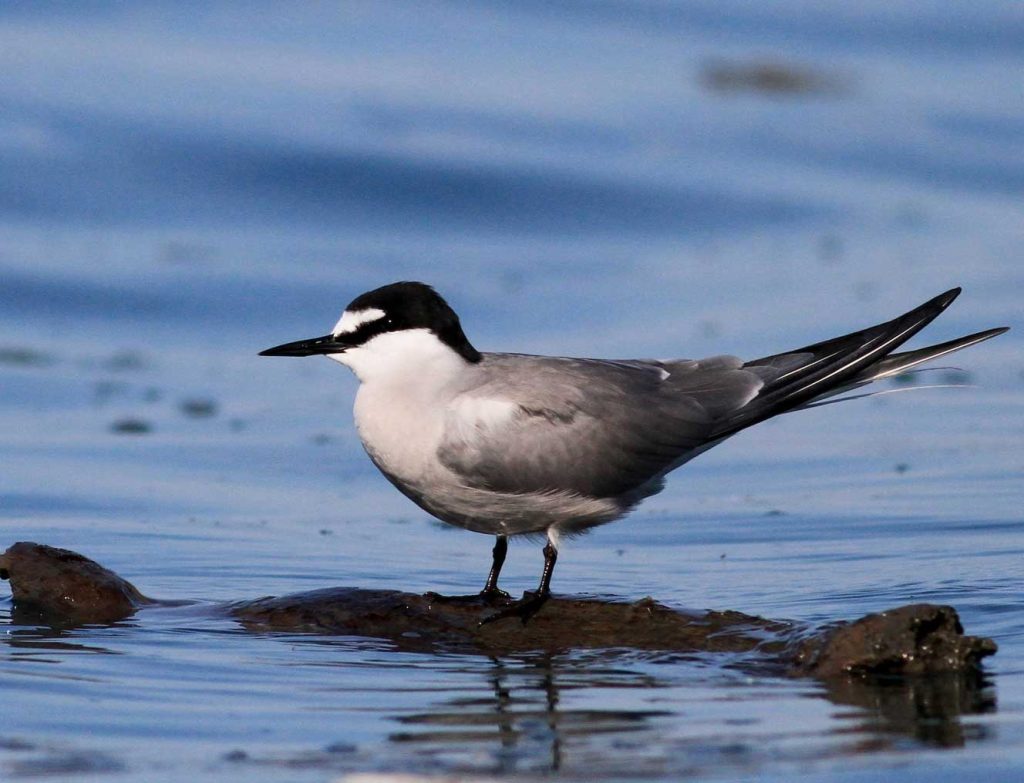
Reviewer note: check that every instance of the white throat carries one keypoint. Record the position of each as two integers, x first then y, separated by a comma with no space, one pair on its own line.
412,358
406,382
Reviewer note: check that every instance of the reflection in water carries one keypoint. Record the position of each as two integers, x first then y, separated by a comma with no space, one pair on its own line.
521,727
927,709
32,640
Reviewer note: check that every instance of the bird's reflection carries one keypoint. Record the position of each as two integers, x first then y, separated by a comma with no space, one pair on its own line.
522,725
523,716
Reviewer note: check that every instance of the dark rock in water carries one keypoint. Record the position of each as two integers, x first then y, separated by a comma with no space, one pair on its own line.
63,587
429,622
914,639
920,639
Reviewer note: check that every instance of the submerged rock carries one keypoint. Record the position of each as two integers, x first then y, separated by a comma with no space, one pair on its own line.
920,639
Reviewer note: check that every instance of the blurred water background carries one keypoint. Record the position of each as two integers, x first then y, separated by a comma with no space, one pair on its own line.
184,184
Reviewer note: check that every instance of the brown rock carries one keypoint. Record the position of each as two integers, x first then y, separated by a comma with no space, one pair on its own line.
66,588
914,639
427,621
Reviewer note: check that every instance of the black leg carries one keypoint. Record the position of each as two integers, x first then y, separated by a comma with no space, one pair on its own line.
527,606
498,553
550,558
490,594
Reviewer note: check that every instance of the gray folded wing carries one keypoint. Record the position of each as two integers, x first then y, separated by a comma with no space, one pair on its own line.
595,428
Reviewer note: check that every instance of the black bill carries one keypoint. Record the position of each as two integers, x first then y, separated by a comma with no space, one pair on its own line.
317,345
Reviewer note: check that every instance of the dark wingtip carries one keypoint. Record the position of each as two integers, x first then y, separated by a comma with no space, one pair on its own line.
946,299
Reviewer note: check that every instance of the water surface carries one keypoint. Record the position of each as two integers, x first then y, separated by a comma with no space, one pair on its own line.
183,185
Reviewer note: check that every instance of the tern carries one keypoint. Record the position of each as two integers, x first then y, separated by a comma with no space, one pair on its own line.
513,444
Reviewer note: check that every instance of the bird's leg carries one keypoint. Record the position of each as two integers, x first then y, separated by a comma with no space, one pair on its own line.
490,594
491,591
531,602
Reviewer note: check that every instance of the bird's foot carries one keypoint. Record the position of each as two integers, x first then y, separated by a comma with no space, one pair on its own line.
525,608
488,597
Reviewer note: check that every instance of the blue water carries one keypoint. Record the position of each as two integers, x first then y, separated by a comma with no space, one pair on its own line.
184,184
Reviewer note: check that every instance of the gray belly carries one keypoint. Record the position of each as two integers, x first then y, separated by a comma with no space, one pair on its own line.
403,443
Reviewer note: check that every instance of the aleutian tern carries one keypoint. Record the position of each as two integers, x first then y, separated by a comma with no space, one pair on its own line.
513,444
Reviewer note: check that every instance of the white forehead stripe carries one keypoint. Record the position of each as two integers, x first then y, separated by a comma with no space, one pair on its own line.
351,320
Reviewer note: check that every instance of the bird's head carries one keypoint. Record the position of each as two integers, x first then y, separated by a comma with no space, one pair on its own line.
402,325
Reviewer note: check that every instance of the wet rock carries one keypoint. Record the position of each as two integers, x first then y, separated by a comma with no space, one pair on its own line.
63,587
919,639
431,622
915,639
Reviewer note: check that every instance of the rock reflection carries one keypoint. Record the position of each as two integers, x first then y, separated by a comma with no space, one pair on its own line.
926,709
31,637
